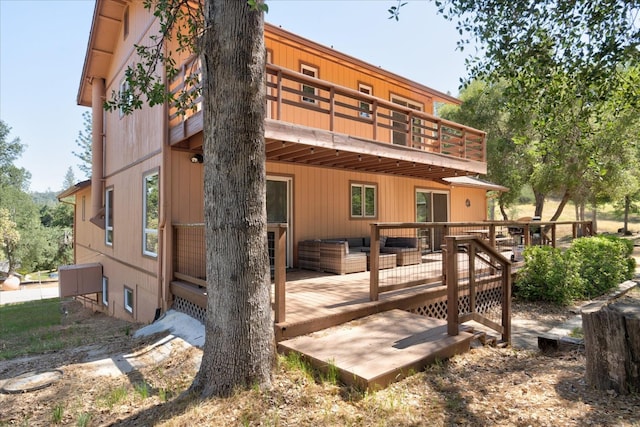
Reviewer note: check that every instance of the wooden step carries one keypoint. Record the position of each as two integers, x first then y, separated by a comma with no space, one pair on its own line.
377,350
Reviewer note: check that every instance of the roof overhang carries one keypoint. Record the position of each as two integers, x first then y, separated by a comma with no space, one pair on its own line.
471,181
105,30
73,189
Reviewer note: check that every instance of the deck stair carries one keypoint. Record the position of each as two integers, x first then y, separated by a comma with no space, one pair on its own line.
376,350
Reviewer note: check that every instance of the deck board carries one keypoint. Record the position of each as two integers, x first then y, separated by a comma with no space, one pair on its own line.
373,351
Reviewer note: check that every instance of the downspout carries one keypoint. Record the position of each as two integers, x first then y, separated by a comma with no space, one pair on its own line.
164,238
97,151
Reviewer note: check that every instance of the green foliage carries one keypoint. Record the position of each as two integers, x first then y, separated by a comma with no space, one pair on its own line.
115,396
10,151
84,419
84,143
591,267
57,414
548,275
603,263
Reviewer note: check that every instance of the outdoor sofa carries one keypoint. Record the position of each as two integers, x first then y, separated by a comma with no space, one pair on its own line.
349,255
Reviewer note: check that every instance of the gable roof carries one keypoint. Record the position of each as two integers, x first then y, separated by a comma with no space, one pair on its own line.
106,31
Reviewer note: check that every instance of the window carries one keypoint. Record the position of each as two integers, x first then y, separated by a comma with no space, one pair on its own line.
84,204
125,98
400,121
365,107
363,200
306,89
105,291
128,299
108,217
150,206
125,23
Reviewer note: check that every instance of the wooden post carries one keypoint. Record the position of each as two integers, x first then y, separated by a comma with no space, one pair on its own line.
553,235
280,272
451,280
374,257
472,275
506,303
492,234
375,120
332,107
612,345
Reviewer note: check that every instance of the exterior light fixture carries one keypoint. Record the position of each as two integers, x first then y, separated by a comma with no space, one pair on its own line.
197,158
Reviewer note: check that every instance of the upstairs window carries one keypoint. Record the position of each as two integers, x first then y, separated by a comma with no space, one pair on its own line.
307,89
150,214
108,216
364,200
125,23
365,107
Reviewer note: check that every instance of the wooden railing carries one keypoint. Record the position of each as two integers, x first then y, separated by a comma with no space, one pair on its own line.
464,275
335,108
189,257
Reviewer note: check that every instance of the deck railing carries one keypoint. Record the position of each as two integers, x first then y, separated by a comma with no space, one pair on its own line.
474,269
303,100
189,259
426,266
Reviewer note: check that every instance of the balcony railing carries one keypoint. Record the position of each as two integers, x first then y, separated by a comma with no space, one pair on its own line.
302,100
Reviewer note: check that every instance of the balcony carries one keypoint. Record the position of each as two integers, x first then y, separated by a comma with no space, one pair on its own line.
315,122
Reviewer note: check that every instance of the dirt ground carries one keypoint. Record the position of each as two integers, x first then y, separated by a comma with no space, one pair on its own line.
485,387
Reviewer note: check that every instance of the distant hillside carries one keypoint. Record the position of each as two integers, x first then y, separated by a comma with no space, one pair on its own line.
44,198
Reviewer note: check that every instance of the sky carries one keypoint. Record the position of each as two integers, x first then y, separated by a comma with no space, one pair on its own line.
43,44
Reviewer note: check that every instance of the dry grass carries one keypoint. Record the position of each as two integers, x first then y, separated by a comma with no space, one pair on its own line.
607,219
485,387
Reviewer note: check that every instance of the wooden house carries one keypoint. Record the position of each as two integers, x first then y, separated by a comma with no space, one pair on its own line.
347,144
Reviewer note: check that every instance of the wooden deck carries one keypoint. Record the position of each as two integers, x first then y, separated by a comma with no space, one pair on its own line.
316,301
374,351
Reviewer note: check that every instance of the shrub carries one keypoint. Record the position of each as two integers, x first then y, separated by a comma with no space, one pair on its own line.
603,263
548,275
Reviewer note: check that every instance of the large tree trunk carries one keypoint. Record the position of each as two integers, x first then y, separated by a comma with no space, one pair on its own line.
239,345
539,203
612,345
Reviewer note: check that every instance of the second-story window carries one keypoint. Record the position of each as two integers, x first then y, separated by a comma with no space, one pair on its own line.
108,217
309,90
150,215
365,107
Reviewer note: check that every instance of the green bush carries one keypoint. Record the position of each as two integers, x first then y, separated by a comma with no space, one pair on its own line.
548,275
591,267
603,263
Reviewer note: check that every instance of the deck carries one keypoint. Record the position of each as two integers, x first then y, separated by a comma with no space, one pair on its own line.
372,352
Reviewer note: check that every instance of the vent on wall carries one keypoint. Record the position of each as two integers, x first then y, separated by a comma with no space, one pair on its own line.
80,279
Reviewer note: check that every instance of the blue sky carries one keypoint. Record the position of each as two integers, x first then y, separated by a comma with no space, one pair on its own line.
43,44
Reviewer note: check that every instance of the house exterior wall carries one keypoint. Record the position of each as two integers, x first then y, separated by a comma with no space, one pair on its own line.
294,53
137,144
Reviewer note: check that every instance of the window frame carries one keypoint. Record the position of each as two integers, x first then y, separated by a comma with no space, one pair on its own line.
363,186
304,68
367,90
416,124
128,303
105,291
146,231
124,89
108,213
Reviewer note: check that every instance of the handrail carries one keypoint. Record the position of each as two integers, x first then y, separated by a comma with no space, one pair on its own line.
348,110
454,319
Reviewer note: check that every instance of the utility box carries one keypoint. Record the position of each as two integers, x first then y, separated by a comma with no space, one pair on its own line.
80,279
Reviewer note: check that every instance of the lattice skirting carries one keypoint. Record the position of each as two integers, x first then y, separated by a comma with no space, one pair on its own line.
187,307
486,301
